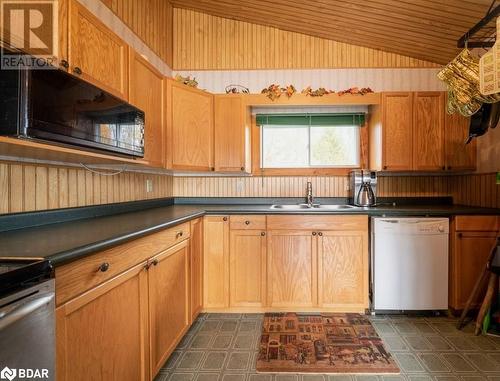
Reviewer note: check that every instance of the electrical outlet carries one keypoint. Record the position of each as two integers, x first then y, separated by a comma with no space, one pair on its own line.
347,187
239,185
149,185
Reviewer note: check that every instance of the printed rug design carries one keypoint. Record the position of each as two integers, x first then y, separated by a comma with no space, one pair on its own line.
322,343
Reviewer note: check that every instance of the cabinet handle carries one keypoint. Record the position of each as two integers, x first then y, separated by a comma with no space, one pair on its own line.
212,169
77,70
64,64
155,262
314,233
178,235
242,168
147,266
103,267
320,234
224,218
384,167
263,234
247,222
443,167
460,235
449,167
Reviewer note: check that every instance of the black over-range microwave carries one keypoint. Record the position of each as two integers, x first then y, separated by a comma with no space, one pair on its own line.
54,106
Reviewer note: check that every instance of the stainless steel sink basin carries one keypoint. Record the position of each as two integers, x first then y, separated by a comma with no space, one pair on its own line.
305,207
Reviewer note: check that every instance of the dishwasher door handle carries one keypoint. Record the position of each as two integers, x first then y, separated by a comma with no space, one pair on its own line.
11,314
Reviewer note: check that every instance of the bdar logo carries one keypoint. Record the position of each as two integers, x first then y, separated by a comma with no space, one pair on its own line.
8,374
30,26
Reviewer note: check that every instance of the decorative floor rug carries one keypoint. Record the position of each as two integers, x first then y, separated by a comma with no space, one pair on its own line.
322,343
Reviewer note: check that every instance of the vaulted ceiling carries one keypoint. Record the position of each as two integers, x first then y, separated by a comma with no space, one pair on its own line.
424,29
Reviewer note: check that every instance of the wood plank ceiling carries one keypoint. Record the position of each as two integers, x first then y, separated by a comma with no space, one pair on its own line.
423,29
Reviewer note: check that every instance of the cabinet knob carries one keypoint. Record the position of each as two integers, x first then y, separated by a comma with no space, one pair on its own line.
178,235
460,235
212,169
242,168
314,233
147,266
64,64
320,234
443,167
104,267
224,218
247,222
384,167
263,234
449,167
155,262
77,70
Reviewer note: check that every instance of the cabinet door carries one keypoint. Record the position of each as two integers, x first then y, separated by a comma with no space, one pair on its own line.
102,334
96,52
397,138
146,93
459,156
247,268
343,270
168,281
428,131
191,129
469,254
232,134
216,262
292,269
196,267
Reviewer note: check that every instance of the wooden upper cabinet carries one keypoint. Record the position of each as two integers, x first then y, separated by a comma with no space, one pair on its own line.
146,93
428,131
397,136
95,53
232,134
292,269
459,156
190,128
102,334
168,280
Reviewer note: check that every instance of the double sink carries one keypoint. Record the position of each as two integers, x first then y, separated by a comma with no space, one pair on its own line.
313,207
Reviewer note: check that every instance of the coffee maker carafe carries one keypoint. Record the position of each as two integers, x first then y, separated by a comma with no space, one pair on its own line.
363,188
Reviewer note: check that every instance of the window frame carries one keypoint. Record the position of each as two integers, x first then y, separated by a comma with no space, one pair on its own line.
301,171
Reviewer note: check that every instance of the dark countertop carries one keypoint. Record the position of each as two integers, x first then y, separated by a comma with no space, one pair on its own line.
63,242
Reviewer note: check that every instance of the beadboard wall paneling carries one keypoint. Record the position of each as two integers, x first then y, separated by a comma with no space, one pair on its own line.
397,79
205,42
145,25
472,190
28,187
294,186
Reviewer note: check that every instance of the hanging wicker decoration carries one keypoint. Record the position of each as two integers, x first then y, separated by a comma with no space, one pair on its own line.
489,67
461,76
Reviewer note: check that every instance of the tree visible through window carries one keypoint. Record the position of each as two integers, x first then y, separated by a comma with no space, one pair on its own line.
310,146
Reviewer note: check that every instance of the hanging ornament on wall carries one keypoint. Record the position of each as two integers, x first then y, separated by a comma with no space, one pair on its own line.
356,91
187,80
236,89
274,91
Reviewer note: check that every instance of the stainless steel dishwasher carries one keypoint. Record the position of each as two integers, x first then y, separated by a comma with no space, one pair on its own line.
27,324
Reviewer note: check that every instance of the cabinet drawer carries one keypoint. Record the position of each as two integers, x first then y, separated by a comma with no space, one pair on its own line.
247,222
82,275
343,222
476,223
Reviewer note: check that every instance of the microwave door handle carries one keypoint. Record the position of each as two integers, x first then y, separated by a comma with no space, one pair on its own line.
11,314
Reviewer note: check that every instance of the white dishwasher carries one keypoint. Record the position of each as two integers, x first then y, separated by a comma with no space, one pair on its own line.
409,264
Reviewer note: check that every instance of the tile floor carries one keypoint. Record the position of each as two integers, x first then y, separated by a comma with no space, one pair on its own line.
222,347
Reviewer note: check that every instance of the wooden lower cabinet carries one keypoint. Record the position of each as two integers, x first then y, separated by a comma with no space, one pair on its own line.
471,241
168,281
196,268
292,275
216,262
343,269
247,268
102,334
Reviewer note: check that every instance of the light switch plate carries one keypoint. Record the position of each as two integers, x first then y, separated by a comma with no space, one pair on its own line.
149,185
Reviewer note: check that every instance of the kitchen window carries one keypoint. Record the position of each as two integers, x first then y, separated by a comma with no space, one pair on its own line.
310,141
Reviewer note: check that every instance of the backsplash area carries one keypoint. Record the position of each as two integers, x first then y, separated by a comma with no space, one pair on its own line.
474,190
28,187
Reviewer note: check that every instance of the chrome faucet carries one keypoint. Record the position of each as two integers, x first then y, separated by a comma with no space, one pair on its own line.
309,195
